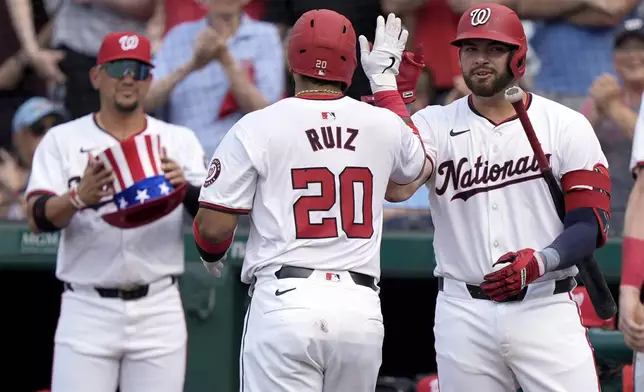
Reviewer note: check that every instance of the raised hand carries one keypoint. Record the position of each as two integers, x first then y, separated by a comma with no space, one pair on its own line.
381,63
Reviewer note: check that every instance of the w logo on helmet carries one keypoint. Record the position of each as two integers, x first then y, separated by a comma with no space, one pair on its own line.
480,16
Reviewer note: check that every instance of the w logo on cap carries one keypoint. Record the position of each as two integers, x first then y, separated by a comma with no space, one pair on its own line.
142,194
129,42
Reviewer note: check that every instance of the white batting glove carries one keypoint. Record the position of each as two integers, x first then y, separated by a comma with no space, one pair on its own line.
215,268
381,63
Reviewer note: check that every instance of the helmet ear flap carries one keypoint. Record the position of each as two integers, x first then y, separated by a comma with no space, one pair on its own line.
517,62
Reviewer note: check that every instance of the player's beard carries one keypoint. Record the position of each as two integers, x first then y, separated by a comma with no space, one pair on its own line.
499,83
129,108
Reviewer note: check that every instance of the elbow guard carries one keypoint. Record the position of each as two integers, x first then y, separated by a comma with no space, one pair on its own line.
590,189
209,251
40,217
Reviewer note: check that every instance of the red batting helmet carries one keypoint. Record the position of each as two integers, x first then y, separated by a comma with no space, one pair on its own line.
497,23
322,45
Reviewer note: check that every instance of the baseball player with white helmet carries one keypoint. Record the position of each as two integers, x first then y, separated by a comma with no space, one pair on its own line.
505,316
312,171
631,310
113,183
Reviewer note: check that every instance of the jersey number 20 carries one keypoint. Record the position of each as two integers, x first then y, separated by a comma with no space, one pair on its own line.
328,228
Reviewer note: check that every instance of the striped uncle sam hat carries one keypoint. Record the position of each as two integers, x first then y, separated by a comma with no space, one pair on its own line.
142,194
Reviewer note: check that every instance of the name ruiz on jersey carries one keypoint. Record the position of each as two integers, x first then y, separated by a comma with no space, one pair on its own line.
331,138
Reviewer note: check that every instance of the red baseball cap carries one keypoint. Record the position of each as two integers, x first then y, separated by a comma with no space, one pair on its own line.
125,45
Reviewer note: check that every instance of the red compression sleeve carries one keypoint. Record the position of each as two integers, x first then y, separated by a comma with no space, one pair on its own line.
632,262
391,100
210,251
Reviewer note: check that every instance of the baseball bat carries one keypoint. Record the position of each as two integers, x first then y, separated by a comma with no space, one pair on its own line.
589,271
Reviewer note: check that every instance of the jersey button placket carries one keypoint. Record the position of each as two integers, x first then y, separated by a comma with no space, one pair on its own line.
493,149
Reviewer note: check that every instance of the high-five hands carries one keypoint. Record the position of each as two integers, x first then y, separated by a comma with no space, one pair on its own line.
381,64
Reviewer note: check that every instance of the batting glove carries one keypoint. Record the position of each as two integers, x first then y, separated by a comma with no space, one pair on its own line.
215,268
525,266
381,63
410,67
407,79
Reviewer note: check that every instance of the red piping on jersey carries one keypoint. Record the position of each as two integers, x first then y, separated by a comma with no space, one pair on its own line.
470,103
145,126
592,350
220,208
40,192
320,97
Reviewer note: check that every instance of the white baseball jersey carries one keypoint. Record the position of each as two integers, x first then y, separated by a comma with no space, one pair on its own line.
637,153
313,174
92,251
487,195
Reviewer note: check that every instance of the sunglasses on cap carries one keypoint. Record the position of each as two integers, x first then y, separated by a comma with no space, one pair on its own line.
120,68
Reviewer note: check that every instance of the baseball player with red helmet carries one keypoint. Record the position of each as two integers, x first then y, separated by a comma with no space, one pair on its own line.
505,316
312,172
631,310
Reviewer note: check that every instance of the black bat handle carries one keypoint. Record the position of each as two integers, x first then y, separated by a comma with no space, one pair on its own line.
589,271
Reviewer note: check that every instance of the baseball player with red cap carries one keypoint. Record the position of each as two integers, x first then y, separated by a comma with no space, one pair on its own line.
111,182
312,171
505,316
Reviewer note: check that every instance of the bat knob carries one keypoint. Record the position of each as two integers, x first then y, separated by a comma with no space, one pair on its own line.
514,94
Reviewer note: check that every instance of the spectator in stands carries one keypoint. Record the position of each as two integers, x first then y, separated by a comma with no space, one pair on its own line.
431,25
210,72
612,106
79,28
30,123
170,13
361,13
573,41
18,82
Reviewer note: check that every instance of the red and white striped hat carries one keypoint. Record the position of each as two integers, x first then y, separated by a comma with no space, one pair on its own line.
142,194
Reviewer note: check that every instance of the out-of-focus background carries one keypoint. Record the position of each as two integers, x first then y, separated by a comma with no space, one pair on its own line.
590,59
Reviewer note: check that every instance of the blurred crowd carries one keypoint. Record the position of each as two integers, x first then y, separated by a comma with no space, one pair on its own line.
216,60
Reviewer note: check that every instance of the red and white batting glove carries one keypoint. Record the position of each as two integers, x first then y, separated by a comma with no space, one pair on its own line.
410,68
408,74
525,266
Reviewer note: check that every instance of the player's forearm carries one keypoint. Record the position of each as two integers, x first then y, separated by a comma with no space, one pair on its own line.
247,95
578,240
161,89
397,193
21,13
624,117
547,9
213,232
136,9
58,211
633,242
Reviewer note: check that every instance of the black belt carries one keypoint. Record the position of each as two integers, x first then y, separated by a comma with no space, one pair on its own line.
561,286
136,292
300,272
